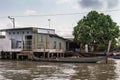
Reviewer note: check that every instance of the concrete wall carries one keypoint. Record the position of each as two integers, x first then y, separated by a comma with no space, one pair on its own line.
5,44
39,40
17,36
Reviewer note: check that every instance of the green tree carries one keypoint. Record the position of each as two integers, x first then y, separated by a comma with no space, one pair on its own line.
96,28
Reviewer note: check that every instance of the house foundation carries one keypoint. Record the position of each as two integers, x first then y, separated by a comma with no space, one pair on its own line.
48,54
29,55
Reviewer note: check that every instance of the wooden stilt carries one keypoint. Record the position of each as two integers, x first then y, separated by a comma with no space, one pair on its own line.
48,55
52,55
57,54
0,55
60,54
10,55
17,57
44,54
63,54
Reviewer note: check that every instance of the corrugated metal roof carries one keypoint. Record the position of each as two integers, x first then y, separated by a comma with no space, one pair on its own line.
25,28
54,35
34,28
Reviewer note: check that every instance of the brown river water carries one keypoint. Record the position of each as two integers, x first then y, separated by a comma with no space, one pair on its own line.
30,70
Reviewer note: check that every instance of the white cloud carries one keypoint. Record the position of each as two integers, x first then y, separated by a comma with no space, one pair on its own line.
86,5
2,25
5,23
64,1
30,12
76,7
71,4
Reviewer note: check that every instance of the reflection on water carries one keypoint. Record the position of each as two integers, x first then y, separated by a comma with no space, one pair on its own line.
95,72
28,70
117,69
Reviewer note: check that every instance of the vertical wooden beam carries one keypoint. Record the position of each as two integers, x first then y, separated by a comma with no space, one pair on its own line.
47,41
0,55
109,45
63,54
17,56
57,54
52,55
60,54
48,55
10,55
44,54
30,55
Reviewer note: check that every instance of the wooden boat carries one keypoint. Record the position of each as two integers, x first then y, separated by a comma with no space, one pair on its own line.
72,60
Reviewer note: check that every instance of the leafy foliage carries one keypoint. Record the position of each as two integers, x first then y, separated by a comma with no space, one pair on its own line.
96,28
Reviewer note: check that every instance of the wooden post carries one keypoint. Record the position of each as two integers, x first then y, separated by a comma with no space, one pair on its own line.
51,55
10,55
63,54
44,54
56,54
0,55
60,55
48,55
109,45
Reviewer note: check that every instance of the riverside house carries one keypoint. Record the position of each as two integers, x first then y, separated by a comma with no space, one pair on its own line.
30,43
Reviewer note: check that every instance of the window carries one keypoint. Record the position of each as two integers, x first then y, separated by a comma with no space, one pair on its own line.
27,32
23,32
60,46
9,33
54,44
17,32
13,32
13,42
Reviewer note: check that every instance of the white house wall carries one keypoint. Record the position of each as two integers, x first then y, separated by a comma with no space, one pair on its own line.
5,44
18,35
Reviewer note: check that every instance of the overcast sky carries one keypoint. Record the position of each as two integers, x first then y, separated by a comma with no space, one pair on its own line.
63,24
